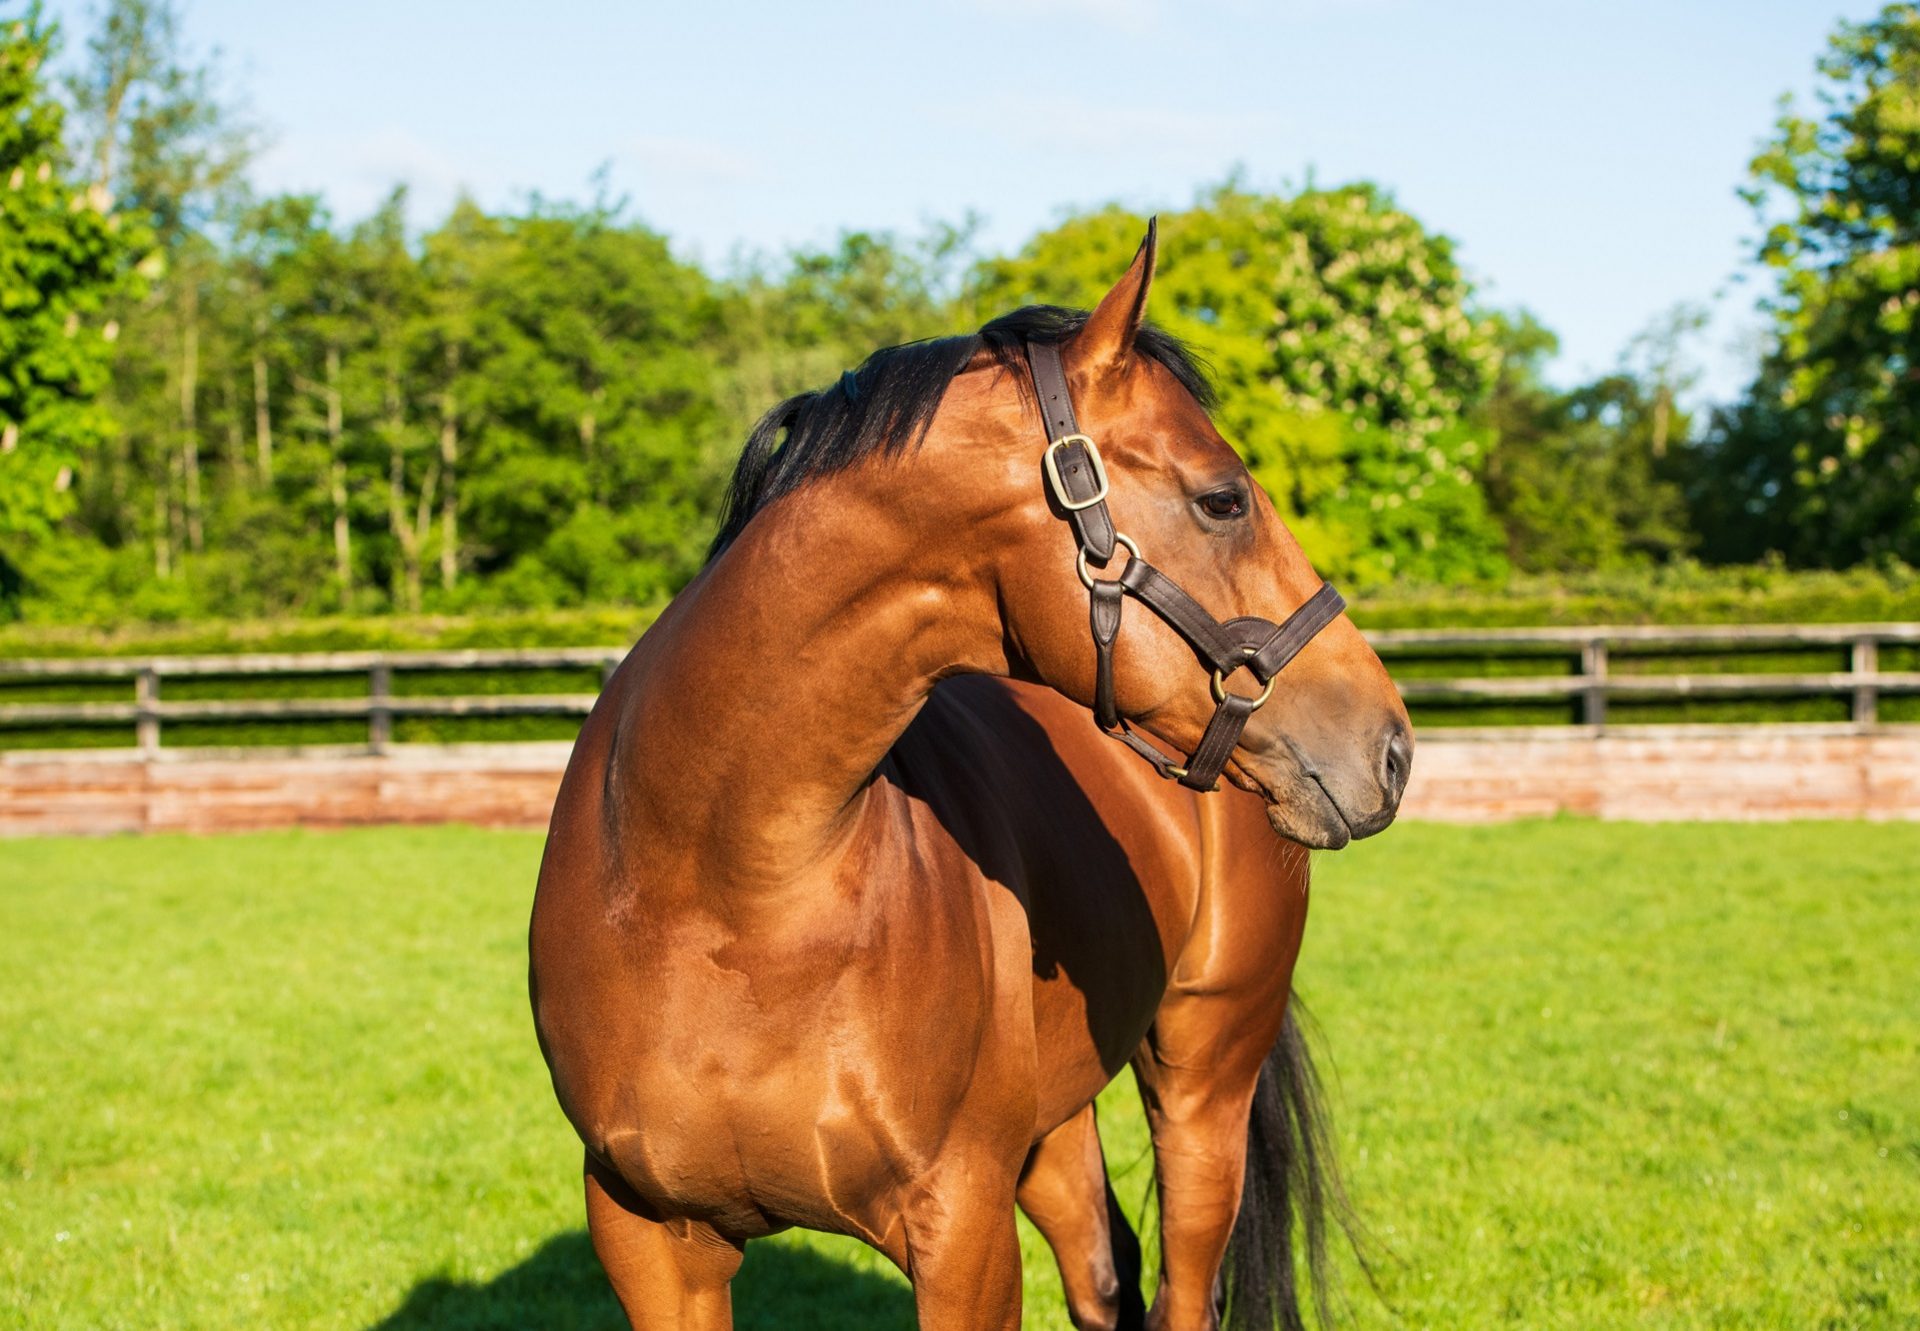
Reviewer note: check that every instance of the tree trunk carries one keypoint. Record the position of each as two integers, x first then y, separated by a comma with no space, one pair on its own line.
189,415
115,97
589,435
230,401
405,536
121,471
411,536
422,524
449,458
337,477
162,539
262,408
176,516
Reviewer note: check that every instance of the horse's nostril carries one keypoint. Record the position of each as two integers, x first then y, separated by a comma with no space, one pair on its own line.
1396,762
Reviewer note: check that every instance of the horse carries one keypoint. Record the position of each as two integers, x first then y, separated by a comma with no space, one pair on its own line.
849,907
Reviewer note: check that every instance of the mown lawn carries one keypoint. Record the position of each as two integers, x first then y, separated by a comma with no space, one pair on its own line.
1585,1075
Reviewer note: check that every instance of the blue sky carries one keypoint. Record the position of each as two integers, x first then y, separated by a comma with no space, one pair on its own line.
1584,155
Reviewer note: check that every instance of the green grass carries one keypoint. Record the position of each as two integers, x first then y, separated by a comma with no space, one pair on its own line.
1585,1075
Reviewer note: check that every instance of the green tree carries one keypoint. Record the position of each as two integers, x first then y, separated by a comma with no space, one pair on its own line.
1822,462
155,136
1348,360
63,257
456,259
795,326
597,449
1588,479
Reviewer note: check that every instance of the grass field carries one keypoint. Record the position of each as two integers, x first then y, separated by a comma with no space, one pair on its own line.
1585,1075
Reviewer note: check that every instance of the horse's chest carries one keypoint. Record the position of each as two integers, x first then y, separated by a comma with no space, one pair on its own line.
802,1082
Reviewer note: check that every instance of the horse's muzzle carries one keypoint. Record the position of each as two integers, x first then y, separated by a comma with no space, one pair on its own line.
1326,804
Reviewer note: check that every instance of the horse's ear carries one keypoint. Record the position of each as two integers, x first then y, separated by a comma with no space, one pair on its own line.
1107,340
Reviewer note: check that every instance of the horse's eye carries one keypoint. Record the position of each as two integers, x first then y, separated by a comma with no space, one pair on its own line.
1224,504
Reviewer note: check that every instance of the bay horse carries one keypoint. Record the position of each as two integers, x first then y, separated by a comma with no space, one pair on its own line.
848,910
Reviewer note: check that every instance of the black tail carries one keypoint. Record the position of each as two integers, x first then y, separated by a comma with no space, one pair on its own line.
1291,1180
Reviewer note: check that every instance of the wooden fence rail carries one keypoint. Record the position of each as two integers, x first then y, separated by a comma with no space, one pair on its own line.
1592,683
378,708
1862,683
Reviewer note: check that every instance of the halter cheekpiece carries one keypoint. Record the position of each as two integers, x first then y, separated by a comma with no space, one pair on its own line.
1077,484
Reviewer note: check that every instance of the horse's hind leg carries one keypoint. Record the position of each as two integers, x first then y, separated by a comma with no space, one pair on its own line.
673,1275
1065,1192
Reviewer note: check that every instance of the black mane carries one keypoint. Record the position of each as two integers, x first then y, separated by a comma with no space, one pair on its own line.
887,404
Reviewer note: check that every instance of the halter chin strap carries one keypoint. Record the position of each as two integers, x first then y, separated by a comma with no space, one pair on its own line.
1077,485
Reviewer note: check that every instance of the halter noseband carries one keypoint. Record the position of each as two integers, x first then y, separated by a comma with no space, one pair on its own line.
1077,483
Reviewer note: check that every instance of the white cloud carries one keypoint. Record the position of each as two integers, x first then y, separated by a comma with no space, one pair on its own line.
356,172
1133,130
698,161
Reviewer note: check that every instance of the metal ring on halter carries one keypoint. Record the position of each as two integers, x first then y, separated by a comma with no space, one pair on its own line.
1220,688
1080,564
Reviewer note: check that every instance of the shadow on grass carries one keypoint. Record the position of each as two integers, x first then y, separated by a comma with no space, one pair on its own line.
562,1286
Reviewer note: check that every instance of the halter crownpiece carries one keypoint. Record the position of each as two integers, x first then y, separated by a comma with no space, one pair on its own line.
1077,483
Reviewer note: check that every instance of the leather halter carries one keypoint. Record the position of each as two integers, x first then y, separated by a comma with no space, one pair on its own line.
1077,485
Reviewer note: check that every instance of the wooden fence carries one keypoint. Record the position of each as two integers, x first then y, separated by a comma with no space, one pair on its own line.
149,709
1862,760
1862,684
1574,667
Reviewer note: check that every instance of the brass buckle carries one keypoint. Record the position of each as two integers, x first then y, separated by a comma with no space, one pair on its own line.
1052,463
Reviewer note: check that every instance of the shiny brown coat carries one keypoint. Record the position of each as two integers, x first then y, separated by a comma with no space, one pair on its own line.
848,911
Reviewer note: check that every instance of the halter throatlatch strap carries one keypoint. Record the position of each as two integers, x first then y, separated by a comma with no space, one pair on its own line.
1077,488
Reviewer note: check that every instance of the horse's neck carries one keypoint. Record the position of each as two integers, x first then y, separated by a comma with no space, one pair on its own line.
753,715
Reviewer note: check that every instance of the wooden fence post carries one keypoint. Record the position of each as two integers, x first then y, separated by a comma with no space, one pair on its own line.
146,720
1866,667
607,667
379,713
1593,664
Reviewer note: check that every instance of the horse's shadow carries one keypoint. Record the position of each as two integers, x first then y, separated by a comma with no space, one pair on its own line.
562,1286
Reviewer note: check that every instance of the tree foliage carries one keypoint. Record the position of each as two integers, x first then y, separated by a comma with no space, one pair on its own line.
536,407
1822,460
1589,478
1349,361
63,256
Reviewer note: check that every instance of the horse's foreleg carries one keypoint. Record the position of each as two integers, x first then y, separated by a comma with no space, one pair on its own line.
671,1276
1197,1073
963,1249
1065,1192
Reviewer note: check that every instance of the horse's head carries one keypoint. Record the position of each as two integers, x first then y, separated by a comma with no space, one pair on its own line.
1331,748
